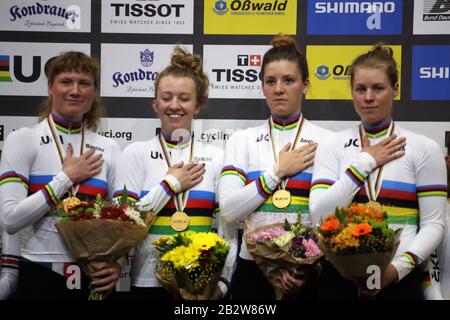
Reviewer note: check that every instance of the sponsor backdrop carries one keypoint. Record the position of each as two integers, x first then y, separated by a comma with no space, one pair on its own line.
133,40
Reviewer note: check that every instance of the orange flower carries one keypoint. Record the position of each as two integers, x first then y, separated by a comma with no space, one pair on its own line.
330,224
357,209
361,229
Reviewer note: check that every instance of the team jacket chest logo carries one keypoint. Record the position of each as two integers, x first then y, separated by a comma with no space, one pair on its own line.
46,139
156,154
352,143
262,137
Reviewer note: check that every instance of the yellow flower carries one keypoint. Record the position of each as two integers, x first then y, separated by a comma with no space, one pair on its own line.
183,257
205,240
345,239
162,240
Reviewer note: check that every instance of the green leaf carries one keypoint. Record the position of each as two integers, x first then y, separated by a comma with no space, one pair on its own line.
124,196
99,200
287,225
340,215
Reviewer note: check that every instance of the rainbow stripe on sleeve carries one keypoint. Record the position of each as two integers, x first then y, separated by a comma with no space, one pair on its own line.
132,197
49,195
321,184
168,188
355,176
231,170
12,176
432,191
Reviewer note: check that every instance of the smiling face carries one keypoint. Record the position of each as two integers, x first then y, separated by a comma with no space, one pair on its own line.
72,94
284,88
176,103
373,95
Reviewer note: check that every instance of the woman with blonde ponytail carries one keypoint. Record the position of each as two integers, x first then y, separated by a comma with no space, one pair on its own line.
165,175
378,160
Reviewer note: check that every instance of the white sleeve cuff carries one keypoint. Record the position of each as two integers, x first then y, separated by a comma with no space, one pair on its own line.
403,266
60,184
364,163
223,288
271,179
173,182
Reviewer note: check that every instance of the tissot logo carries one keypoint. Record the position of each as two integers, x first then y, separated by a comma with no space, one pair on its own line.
249,60
240,74
148,10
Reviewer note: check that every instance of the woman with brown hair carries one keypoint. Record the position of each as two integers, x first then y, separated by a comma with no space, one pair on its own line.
378,160
62,157
274,158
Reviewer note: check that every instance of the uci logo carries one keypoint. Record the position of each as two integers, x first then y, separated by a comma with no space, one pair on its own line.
263,137
17,68
352,142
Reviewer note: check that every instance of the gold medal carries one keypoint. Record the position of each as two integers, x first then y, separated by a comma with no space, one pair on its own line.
70,203
179,221
281,198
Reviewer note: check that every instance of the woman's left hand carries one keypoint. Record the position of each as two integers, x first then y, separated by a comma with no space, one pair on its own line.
292,282
389,276
105,280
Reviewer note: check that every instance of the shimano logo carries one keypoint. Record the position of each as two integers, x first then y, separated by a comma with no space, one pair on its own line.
354,7
434,73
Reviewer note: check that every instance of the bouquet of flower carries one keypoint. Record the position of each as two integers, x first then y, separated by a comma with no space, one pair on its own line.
358,237
98,233
282,246
191,263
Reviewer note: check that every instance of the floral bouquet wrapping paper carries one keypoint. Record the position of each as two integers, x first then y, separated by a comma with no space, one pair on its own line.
282,246
99,233
191,263
355,238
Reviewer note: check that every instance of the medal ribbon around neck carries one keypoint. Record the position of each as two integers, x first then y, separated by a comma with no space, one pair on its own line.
374,189
62,154
284,182
180,204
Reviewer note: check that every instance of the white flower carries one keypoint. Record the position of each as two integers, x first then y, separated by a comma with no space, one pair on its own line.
284,239
97,210
134,215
